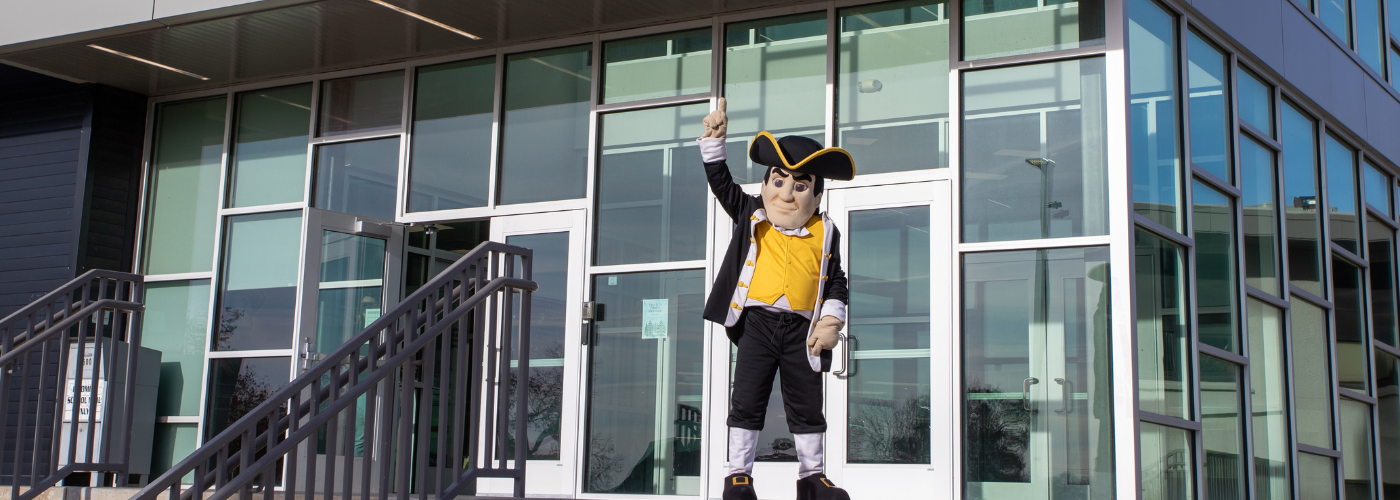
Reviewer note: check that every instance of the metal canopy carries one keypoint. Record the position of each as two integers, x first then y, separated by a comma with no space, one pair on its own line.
332,35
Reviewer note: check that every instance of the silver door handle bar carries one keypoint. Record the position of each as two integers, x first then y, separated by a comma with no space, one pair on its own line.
1066,392
1026,392
845,355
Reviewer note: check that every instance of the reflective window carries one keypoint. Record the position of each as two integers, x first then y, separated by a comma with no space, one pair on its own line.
652,67
1261,245
548,321
1256,102
1377,188
1222,430
651,187
892,85
544,150
269,148
1156,147
1317,477
366,103
1034,157
1305,4
171,444
1008,28
1168,462
1213,215
1382,273
1036,368
1388,409
1300,201
174,323
1370,33
647,389
1312,374
184,186
238,385
257,298
351,291
358,177
1164,356
450,162
1336,15
1351,340
1268,363
774,80
1357,481
1210,106
1341,195
1394,52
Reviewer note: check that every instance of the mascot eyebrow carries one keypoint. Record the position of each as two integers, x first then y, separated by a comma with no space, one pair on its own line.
818,183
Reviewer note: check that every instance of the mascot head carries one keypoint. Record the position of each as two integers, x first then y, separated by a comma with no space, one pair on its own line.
797,169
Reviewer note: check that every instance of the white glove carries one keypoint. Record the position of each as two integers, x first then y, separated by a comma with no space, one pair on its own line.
823,337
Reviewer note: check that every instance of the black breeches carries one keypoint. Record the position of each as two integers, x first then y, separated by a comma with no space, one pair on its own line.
775,344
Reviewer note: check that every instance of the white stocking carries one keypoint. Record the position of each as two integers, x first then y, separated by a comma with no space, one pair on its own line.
809,454
743,446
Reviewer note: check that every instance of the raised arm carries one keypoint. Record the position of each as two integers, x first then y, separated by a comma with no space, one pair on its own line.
712,151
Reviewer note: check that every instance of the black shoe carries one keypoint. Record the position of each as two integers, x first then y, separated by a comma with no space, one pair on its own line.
818,487
739,487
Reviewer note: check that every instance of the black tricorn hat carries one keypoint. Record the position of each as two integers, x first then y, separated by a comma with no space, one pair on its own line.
803,155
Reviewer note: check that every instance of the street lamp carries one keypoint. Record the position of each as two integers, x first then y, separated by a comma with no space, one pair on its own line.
1045,165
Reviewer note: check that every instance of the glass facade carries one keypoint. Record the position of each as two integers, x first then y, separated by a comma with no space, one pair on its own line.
269,149
1154,123
450,165
1007,28
184,187
547,97
657,66
774,80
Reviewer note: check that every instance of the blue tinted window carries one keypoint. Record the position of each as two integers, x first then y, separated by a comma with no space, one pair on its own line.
1336,14
1210,108
1155,144
1256,103
1369,34
1341,194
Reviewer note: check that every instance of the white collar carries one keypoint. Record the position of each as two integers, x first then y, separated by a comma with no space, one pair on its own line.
761,215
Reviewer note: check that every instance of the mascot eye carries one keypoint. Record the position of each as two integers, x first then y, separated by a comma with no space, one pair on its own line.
800,187
777,183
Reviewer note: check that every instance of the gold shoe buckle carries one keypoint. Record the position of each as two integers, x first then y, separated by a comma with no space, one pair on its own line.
827,483
736,482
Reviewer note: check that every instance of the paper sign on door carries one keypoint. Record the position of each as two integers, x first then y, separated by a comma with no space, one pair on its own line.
654,318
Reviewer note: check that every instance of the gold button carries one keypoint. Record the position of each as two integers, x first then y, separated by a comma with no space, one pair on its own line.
734,305
748,263
823,278
751,240
743,285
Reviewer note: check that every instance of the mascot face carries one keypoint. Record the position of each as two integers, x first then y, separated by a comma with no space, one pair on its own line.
789,198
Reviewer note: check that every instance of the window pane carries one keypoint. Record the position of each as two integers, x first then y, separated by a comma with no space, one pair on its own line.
1317,477
238,385
1034,159
1388,390
888,404
171,444
1369,34
774,80
1351,326
1168,464
1336,15
1341,194
544,154
1210,107
351,291
548,323
1300,201
1356,450
622,434
358,177
1256,103
184,189
1267,372
1377,188
651,187
892,81
1216,291
657,66
1394,53
257,299
175,323
1261,248
450,166
1007,28
1155,145
366,103
1312,374
1222,431
1164,356
1382,274
269,152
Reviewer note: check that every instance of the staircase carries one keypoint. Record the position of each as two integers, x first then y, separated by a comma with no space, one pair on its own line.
421,403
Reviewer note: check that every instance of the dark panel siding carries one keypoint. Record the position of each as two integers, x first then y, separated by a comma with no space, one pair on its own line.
113,180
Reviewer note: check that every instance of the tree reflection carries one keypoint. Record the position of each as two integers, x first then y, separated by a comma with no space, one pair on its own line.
888,432
998,437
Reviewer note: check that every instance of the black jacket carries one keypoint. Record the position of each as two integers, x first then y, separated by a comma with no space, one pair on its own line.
741,207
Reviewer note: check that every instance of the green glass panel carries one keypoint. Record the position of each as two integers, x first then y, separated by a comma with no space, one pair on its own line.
1210,106
1381,248
257,299
269,150
1317,477
351,291
1341,195
1269,395
175,323
1357,474
1217,288
657,66
892,85
1378,186
1168,464
544,150
651,187
451,154
1351,342
774,80
184,187
1014,27
238,385
171,444
1154,107
1164,353
1312,374
360,104
1261,240
1388,412
645,394
1301,200
1034,163
548,320
358,177
1222,430
1256,102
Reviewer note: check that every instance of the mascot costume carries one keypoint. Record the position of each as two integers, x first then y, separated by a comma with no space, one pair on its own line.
780,294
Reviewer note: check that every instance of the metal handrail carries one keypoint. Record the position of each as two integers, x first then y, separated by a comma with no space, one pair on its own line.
391,370
92,314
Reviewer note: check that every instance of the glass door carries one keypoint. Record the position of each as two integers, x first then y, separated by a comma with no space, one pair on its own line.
555,334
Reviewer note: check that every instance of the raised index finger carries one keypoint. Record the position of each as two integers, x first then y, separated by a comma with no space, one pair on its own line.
721,105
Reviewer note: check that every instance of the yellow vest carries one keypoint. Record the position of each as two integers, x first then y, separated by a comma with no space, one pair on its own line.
788,265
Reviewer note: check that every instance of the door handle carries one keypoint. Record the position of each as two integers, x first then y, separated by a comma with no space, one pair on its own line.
845,355
1026,392
1066,392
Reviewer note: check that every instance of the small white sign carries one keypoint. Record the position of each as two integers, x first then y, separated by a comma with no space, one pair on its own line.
370,316
612,280
85,400
654,318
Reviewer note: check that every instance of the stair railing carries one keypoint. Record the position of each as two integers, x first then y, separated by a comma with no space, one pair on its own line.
408,407
53,353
